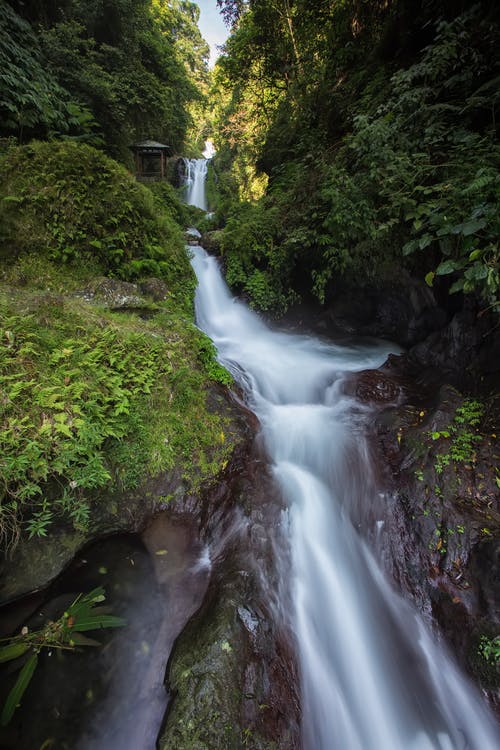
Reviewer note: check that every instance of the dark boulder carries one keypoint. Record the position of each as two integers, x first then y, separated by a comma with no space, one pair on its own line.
404,311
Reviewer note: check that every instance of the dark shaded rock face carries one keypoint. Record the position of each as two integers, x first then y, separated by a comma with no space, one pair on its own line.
464,345
405,312
440,540
466,350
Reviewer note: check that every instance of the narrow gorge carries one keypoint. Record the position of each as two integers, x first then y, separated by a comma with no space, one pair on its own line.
249,368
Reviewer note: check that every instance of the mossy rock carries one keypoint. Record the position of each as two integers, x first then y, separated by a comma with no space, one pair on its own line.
114,294
207,678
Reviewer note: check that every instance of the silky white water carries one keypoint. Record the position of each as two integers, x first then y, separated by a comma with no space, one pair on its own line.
196,172
372,675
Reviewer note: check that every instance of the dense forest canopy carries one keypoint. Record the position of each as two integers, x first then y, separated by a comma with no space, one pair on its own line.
361,136
104,71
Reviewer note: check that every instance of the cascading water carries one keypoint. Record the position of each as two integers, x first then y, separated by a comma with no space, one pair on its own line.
372,677
196,172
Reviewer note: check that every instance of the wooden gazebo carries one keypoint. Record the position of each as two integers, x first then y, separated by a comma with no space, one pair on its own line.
150,159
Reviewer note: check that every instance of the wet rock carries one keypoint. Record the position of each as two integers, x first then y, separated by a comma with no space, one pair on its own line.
233,676
192,236
375,387
440,539
33,565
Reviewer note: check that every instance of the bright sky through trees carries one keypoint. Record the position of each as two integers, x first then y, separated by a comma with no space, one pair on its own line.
212,26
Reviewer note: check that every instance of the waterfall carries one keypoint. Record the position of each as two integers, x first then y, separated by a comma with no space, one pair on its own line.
196,173
373,676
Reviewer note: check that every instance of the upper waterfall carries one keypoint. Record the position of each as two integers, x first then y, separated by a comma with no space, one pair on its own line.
196,174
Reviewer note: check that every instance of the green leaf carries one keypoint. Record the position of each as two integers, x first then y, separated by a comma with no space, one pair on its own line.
424,241
477,272
457,286
63,429
444,231
410,247
17,692
447,266
429,278
471,227
12,651
82,640
95,622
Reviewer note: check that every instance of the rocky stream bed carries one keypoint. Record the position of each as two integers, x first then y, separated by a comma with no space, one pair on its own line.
208,660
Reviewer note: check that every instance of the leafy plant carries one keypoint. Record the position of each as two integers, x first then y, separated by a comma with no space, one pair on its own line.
97,400
462,433
109,71
489,649
65,633
32,101
89,389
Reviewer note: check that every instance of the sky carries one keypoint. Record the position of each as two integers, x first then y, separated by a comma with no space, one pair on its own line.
212,27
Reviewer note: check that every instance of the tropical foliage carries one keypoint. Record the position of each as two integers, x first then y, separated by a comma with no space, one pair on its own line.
375,126
78,204
108,72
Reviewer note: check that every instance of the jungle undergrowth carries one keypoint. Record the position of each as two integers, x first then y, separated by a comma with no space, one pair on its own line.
95,401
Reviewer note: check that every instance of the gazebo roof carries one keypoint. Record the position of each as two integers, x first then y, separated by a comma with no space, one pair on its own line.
147,145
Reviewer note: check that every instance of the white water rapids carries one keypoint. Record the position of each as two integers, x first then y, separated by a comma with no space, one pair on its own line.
372,675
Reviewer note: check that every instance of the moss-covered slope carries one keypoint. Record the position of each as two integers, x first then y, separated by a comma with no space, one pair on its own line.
104,383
